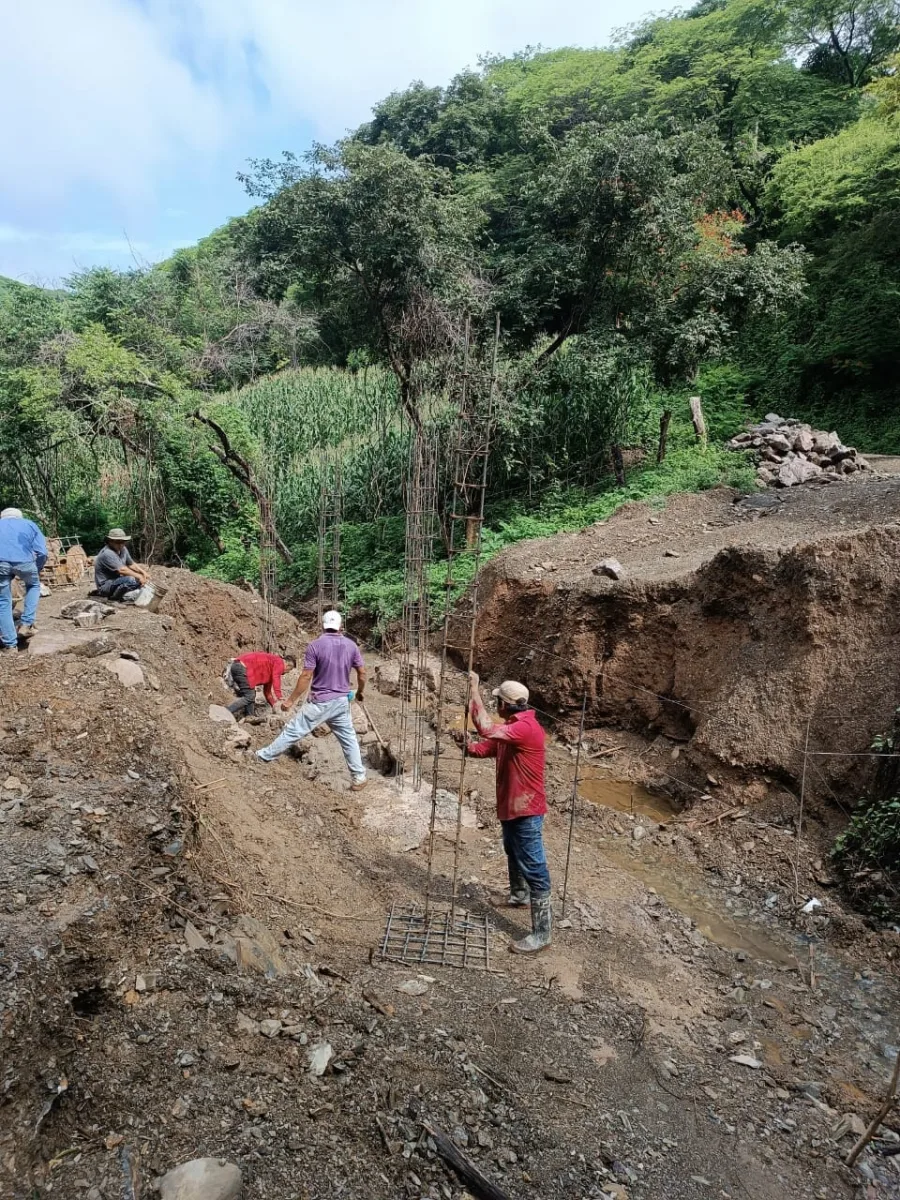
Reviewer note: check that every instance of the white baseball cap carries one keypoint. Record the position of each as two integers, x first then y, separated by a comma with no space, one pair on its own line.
331,619
11,512
511,692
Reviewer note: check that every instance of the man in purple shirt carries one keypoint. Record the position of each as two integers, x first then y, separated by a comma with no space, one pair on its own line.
326,674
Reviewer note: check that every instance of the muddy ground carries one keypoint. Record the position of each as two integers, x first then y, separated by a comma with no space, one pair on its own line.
690,1034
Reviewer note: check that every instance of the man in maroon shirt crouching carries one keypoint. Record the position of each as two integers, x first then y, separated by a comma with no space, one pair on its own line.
518,746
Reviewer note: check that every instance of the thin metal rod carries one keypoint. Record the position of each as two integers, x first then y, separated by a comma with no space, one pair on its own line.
473,624
575,783
802,799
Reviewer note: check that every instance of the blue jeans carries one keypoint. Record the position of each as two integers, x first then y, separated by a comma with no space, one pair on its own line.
28,573
334,713
115,589
524,844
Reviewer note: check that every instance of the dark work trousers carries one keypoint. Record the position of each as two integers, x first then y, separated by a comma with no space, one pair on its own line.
524,846
246,702
115,589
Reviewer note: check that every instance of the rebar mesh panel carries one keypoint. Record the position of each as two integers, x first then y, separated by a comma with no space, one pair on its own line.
436,938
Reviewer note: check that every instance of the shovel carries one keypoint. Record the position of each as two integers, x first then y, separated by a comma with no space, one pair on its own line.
381,742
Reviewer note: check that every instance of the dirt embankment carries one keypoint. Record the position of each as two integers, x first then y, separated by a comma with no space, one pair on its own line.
732,628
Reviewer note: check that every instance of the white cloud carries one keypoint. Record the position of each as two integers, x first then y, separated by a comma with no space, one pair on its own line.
103,100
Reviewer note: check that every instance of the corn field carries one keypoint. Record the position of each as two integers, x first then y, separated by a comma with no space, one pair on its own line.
297,416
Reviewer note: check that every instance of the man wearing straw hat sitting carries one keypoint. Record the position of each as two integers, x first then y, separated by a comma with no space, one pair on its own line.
517,744
116,575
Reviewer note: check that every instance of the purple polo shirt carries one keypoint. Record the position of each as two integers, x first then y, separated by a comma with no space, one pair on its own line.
330,658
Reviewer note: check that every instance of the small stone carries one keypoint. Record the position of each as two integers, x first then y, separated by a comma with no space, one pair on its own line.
737,1037
610,567
129,673
746,1060
320,1056
202,1179
671,554
194,938
246,1024
12,784
89,864
270,1028
257,950
180,1108
638,833
218,712
238,738
413,987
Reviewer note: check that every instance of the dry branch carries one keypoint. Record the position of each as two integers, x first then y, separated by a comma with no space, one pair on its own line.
478,1184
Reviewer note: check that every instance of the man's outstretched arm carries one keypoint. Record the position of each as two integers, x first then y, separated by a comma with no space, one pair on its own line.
300,689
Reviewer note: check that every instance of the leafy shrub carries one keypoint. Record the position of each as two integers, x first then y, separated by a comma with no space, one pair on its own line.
867,854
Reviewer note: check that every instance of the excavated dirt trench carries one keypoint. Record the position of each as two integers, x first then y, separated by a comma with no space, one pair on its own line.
731,629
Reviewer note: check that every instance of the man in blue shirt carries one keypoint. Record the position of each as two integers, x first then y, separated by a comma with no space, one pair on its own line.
23,553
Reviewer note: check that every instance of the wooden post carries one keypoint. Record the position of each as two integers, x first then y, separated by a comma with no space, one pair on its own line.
664,420
618,463
699,422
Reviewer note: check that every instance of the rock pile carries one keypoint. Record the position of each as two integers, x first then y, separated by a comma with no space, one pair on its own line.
790,452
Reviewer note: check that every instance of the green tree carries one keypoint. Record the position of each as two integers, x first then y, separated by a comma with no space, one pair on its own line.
378,242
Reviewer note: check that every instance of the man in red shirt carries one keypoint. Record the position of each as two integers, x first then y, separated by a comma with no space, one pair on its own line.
247,672
518,746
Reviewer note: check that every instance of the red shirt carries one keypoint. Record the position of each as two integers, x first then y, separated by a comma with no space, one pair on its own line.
265,669
518,746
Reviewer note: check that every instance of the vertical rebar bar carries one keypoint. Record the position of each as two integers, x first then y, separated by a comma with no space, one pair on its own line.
484,449
575,783
421,520
329,547
800,816
268,560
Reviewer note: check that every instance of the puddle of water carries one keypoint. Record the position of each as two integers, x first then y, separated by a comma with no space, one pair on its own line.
623,796
670,881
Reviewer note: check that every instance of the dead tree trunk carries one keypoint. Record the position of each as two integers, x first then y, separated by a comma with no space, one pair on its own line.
618,463
664,420
243,472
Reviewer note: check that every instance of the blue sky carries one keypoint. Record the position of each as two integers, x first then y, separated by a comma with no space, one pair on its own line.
125,121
